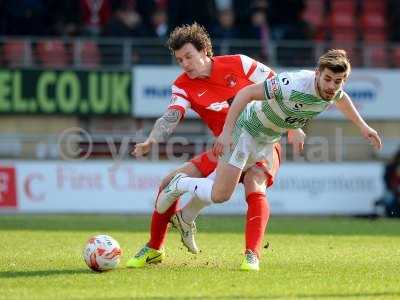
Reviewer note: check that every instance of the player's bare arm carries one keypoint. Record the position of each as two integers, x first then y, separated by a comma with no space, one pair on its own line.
162,129
346,106
242,98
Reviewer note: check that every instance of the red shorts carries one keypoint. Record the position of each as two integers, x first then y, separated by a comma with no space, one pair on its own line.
206,163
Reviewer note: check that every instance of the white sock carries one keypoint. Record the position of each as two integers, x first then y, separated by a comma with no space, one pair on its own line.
200,187
192,209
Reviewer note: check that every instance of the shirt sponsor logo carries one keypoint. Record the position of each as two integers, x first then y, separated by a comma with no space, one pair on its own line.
218,106
298,106
296,121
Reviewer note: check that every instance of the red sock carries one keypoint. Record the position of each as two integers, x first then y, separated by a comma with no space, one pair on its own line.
159,226
256,220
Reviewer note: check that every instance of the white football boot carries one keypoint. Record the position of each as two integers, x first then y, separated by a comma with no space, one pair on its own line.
187,232
169,194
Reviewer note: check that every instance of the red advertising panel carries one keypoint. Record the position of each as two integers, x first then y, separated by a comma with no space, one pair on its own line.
8,191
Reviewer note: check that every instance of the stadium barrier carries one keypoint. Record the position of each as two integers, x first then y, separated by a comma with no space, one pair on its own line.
145,91
130,187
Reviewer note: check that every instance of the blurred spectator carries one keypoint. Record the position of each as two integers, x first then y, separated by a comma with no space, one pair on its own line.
221,5
25,17
243,10
225,27
189,11
259,30
159,24
95,14
285,19
391,199
64,19
286,23
125,22
394,20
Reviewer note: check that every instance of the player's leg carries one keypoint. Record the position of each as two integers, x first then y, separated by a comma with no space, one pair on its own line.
256,180
184,219
205,189
256,217
153,251
228,172
159,222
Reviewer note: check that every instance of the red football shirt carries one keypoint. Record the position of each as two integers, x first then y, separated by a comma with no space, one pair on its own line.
211,97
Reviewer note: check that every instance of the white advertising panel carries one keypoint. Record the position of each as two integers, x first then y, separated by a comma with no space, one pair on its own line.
330,188
152,90
373,91
130,187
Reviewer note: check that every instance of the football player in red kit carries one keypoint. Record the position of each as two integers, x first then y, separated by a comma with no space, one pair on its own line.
207,85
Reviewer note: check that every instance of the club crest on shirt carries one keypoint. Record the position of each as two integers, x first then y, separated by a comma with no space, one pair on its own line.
231,80
274,85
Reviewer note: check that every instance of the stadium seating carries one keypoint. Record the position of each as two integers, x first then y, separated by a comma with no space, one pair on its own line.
395,58
314,14
17,52
342,21
52,53
89,53
344,6
378,57
373,22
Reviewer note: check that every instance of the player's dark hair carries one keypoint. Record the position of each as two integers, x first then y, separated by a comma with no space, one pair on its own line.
335,60
194,34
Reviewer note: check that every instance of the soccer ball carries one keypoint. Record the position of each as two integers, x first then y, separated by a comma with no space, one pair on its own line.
102,253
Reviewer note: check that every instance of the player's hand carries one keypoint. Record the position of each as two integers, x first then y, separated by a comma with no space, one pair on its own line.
222,143
141,149
373,137
296,138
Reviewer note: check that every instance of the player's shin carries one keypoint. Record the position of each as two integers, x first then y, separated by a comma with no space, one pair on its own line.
159,226
192,209
256,221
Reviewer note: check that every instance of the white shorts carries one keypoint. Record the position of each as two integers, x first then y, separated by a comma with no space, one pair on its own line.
246,151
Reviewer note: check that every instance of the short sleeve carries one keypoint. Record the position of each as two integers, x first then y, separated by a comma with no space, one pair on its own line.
179,99
278,86
255,71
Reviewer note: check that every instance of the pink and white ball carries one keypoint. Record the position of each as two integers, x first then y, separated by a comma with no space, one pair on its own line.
102,253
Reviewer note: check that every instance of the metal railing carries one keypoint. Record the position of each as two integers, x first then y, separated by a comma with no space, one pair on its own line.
123,53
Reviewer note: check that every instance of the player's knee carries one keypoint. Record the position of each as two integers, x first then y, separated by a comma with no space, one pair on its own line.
254,176
220,196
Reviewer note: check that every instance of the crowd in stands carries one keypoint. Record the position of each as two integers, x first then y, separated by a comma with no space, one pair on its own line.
151,18
338,21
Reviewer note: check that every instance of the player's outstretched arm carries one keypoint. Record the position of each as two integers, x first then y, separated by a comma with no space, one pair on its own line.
242,98
162,129
346,106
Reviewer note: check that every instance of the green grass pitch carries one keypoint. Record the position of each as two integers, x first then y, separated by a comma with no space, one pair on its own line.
308,258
